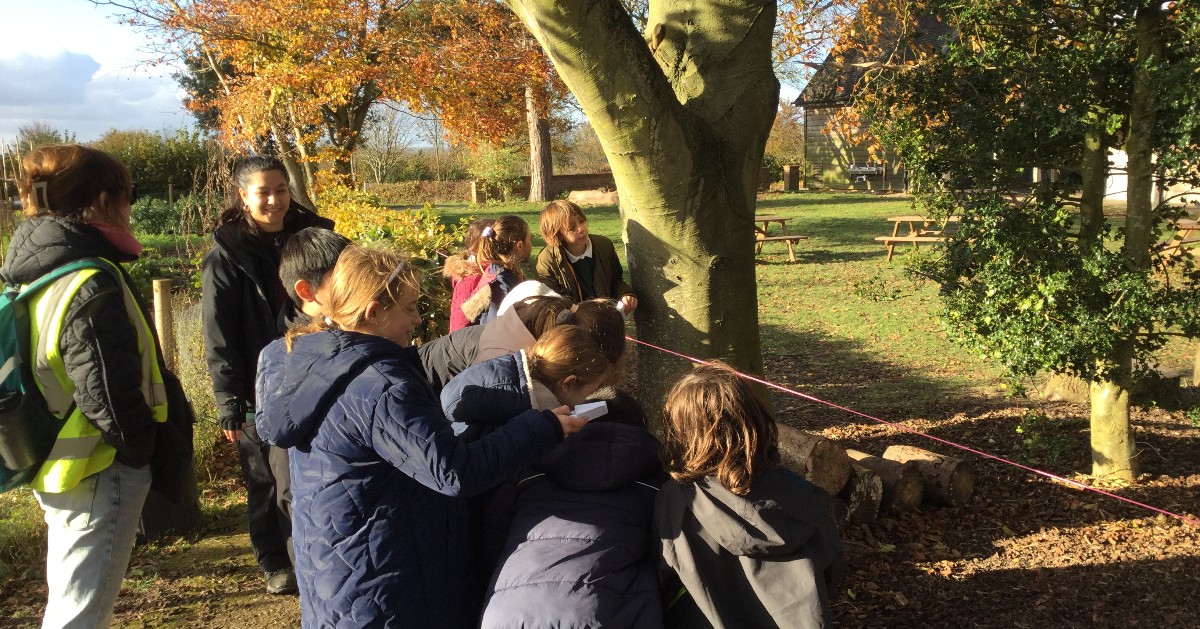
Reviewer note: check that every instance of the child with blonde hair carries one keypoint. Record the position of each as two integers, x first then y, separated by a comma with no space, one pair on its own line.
577,264
498,254
746,543
378,475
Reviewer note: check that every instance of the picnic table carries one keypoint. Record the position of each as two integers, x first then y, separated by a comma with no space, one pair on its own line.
1187,232
919,229
762,235
766,221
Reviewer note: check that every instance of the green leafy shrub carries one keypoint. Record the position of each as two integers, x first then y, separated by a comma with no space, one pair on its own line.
420,192
154,216
362,218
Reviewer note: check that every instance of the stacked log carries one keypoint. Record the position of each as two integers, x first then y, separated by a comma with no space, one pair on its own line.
863,495
861,484
903,484
948,480
821,461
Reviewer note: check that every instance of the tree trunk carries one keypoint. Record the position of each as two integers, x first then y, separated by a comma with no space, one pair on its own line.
541,164
298,175
684,129
1111,433
1094,172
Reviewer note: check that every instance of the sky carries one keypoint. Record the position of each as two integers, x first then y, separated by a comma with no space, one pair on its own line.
68,64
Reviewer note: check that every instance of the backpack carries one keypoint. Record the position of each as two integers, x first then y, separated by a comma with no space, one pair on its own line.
27,427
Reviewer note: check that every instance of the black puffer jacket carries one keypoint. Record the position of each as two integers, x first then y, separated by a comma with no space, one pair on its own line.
580,550
244,304
98,343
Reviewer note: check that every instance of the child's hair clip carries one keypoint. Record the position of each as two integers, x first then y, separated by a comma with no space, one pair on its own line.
41,195
566,315
487,232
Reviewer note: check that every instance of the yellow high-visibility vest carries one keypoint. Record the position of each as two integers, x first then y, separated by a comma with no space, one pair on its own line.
79,450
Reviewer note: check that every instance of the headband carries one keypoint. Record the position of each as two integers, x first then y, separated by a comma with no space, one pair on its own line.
391,278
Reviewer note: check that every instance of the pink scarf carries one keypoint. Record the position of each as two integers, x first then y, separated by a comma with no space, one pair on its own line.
122,239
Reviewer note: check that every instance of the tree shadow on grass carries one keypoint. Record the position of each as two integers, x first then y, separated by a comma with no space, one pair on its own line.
812,200
843,372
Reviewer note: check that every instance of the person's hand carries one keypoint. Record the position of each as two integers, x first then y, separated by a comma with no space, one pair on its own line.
570,423
630,303
232,427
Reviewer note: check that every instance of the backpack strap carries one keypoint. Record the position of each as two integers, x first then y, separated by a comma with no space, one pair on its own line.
66,269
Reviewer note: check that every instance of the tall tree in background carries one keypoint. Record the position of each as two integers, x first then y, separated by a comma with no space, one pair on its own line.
1042,280
306,72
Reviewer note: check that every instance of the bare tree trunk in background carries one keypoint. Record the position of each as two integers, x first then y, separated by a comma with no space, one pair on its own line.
541,164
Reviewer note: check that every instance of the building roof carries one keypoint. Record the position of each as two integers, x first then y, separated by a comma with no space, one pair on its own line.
834,83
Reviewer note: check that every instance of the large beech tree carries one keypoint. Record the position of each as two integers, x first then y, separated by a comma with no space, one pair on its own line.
683,112
1041,281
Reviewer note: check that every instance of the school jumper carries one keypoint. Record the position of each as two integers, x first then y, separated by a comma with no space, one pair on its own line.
608,281
771,558
378,480
578,549
243,302
123,399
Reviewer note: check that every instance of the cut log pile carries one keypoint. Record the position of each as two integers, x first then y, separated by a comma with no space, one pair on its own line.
903,478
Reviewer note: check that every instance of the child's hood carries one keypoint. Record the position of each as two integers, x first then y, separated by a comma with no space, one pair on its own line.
459,266
302,385
603,456
778,516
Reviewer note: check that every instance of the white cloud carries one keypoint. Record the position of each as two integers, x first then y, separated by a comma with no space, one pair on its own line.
68,92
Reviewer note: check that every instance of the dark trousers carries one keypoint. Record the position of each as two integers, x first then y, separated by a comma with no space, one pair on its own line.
278,458
270,529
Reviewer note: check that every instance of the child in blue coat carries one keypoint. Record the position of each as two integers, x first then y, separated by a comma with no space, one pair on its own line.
577,549
378,477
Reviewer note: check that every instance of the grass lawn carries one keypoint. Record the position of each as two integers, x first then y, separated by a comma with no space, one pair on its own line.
843,324
840,307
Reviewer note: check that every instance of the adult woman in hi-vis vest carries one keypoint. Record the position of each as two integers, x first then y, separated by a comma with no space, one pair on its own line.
89,327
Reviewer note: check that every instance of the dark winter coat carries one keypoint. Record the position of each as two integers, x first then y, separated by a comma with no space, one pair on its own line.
377,481
99,348
554,270
244,304
486,394
771,558
580,550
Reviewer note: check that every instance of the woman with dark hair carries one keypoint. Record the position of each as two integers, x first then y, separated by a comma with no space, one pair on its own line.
244,304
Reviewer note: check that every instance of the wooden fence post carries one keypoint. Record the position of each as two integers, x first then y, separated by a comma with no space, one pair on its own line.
164,322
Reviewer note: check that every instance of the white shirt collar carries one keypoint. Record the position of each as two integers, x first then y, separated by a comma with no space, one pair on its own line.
587,253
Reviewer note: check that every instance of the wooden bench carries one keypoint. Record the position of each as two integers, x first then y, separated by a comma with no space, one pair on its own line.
891,241
787,239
